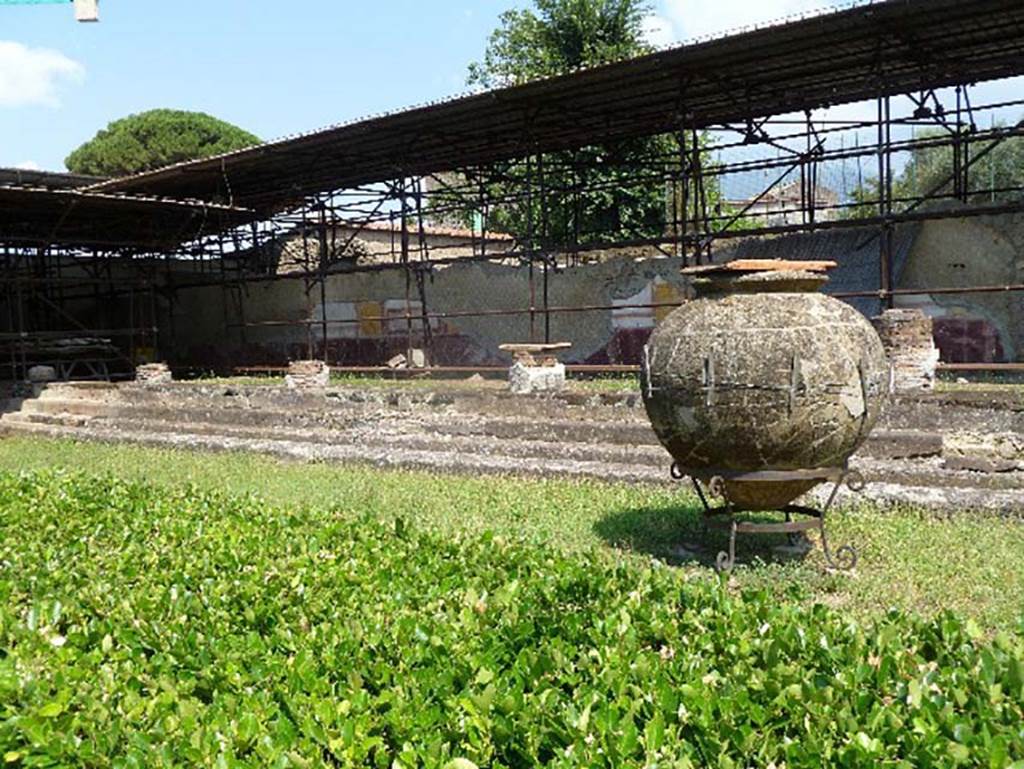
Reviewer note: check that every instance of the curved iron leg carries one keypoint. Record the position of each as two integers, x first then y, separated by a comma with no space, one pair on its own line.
845,558
700,495
794,539
726,561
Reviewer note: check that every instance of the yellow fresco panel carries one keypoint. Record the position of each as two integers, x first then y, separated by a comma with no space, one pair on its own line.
664,293
369,319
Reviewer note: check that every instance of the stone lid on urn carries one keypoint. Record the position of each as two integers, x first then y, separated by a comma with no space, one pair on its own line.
759,276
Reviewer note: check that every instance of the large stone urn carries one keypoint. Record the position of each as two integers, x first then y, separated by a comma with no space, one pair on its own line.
762,381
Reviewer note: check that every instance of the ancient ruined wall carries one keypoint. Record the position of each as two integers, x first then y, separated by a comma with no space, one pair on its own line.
380,243
208,332
947,253
84,303
986,251
384,245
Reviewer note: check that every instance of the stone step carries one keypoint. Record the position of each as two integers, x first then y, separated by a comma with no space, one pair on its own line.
902,444
632,432
472,433
85,391
409,437
230,415
61,419
893,444
881,449
466,431
23,426
378,456
83,408
884,486
186,403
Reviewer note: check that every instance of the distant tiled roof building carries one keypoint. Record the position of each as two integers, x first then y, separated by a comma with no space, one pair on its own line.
784,205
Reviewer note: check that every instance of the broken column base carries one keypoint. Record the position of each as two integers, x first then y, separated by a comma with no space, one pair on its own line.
524,379
307,375
151,374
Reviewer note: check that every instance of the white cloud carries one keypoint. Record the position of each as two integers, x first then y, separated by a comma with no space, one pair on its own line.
659,31
32,76
29,165
697,18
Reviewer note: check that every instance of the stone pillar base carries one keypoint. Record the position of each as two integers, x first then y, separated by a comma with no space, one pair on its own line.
524,379
907,336
307,375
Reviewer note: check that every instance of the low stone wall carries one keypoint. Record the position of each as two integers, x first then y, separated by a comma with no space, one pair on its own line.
959,451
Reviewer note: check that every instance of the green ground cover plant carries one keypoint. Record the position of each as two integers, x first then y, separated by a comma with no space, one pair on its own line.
148,626
970,563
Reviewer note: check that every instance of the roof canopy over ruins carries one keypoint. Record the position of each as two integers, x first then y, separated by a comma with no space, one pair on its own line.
40,217
846,56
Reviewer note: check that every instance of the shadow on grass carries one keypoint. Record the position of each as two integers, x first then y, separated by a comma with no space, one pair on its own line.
677,535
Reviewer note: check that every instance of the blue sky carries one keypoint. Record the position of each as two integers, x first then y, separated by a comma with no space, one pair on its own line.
274,68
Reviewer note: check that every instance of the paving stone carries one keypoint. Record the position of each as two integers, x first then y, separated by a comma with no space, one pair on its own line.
984,452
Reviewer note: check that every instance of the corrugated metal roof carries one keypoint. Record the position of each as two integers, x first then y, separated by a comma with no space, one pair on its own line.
42,217
55,180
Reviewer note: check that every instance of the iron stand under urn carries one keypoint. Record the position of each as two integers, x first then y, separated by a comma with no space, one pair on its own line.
761,389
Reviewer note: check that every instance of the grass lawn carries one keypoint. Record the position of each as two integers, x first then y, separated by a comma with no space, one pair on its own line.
973,565
1010,385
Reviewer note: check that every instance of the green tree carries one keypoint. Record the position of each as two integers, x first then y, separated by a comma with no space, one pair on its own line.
615,190
996,170
558,37
154,139
996,175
